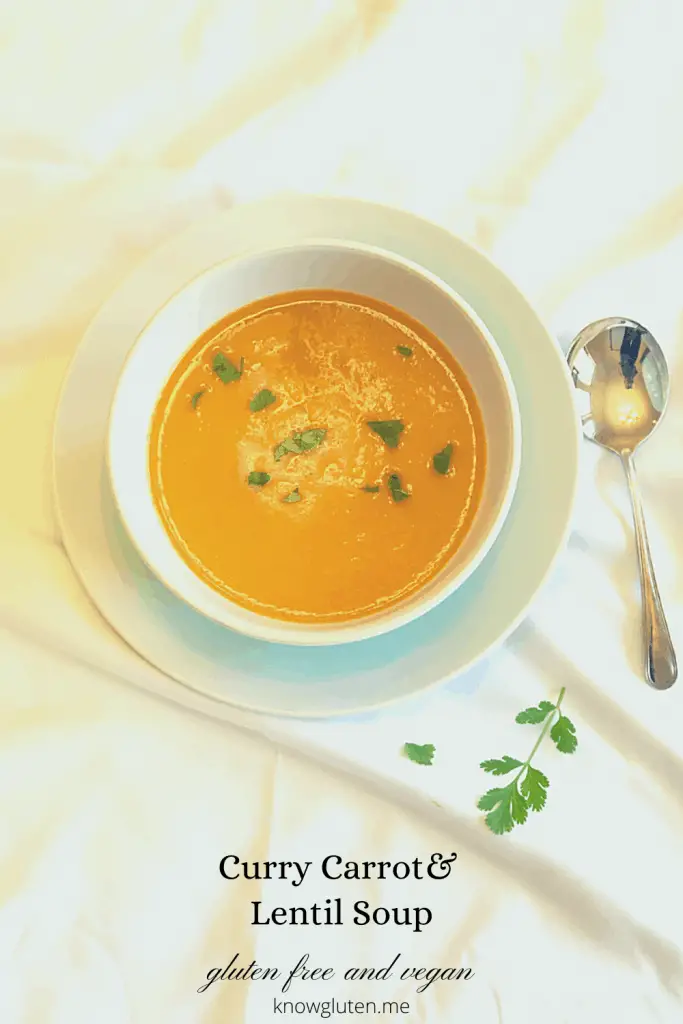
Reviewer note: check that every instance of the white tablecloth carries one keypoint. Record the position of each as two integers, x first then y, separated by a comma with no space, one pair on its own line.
550,135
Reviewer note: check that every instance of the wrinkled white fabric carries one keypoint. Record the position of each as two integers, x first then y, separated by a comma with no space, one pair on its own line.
548,134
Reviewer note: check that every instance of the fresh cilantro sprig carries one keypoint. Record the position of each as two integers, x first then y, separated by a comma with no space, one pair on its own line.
507,806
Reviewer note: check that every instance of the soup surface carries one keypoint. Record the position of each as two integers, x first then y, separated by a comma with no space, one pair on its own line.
317,455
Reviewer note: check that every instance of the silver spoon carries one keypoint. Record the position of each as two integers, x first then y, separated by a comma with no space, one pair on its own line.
622,383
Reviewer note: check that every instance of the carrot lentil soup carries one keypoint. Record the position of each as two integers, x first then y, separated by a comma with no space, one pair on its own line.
317,456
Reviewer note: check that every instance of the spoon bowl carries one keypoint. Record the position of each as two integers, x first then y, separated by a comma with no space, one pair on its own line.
622,388
622,383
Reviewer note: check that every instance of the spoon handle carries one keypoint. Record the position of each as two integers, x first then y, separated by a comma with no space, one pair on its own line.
660,659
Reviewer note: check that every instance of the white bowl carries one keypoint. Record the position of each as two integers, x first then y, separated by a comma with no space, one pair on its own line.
318,264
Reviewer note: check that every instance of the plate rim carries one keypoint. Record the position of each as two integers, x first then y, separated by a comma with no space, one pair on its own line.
157,256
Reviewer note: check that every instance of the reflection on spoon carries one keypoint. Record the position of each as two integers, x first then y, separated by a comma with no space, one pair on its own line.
630,349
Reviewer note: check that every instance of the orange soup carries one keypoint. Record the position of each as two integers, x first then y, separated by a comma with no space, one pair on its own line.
317,456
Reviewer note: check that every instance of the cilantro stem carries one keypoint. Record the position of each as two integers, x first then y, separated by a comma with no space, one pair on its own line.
546,725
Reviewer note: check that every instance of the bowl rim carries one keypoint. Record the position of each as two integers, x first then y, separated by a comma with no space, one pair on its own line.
271,629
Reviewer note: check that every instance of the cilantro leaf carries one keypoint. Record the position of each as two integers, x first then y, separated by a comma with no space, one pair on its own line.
394,485
491,798
225,369
293,496
290,445
501,767
535,715
507,808
312,437
563,735
510,805
420,753
194,401
371,488
534,786
256,479
298,443
262,400
389,430
442,460
404,350
520,809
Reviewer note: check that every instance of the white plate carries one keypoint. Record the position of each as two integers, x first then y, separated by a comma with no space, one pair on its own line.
254,674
